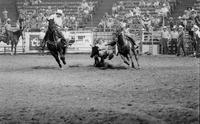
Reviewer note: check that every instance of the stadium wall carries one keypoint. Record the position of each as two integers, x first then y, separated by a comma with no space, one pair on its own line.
82,42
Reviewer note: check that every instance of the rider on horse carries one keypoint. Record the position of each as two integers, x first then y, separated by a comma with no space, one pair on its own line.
7,28
124,30
58,19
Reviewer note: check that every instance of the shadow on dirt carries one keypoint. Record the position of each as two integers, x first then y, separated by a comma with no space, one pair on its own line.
44,67
101,67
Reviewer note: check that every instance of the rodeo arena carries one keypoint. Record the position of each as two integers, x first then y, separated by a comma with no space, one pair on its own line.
99,61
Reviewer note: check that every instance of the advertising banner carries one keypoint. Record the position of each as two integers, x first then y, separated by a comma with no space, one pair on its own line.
79,41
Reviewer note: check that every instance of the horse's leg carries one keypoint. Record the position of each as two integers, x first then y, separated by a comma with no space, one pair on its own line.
96,61
102,62
131,58
136,57
124,59
55,55
15,46
63,55
12,45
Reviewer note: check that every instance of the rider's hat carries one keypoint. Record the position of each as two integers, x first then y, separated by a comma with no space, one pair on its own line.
180,26
59,11
8,19
164,27
174,27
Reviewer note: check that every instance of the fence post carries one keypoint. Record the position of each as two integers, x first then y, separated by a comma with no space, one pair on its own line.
151,43
4,50
141,43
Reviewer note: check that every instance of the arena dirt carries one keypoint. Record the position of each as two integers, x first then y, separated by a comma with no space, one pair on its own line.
34,90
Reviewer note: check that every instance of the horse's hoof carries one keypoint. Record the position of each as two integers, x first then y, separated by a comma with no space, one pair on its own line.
60,66
64,62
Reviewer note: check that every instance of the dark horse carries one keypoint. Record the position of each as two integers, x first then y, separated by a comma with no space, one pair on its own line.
126,48
55,46
14,38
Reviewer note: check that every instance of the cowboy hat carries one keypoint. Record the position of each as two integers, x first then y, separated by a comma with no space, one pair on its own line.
42,28
184,17
195,27
59,11
180,26
174,27
164,27
8,19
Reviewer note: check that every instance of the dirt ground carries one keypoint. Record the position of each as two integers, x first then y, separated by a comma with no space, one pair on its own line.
33,90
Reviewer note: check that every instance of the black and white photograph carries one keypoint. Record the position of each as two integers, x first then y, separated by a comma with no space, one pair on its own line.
99,61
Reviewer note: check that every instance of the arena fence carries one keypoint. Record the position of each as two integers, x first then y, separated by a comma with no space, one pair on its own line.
148,42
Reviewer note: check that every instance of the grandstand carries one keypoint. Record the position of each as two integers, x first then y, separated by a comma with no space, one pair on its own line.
71,8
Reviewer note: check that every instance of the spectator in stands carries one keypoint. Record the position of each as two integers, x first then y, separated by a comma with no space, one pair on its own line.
197,20
142,3
146,21
102,24
165,10
193,14
196,42
179,21
174,37
26,3
21,20
156,22
114,8
120,6
148,3
188,12
181,38
171,23
137,11
41,36
5,17
165,36
84,5
184,21
156,4
129,14
190,24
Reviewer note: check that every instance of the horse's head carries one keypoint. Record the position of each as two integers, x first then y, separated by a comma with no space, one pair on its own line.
116,34
95,51
52,24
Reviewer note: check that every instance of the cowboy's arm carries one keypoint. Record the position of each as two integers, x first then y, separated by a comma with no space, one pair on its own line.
111,43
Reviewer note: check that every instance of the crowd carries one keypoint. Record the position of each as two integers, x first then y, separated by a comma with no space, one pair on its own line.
178,35
181,33
37,18
149,20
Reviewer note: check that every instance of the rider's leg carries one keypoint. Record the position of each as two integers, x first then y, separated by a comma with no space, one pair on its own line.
60,35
